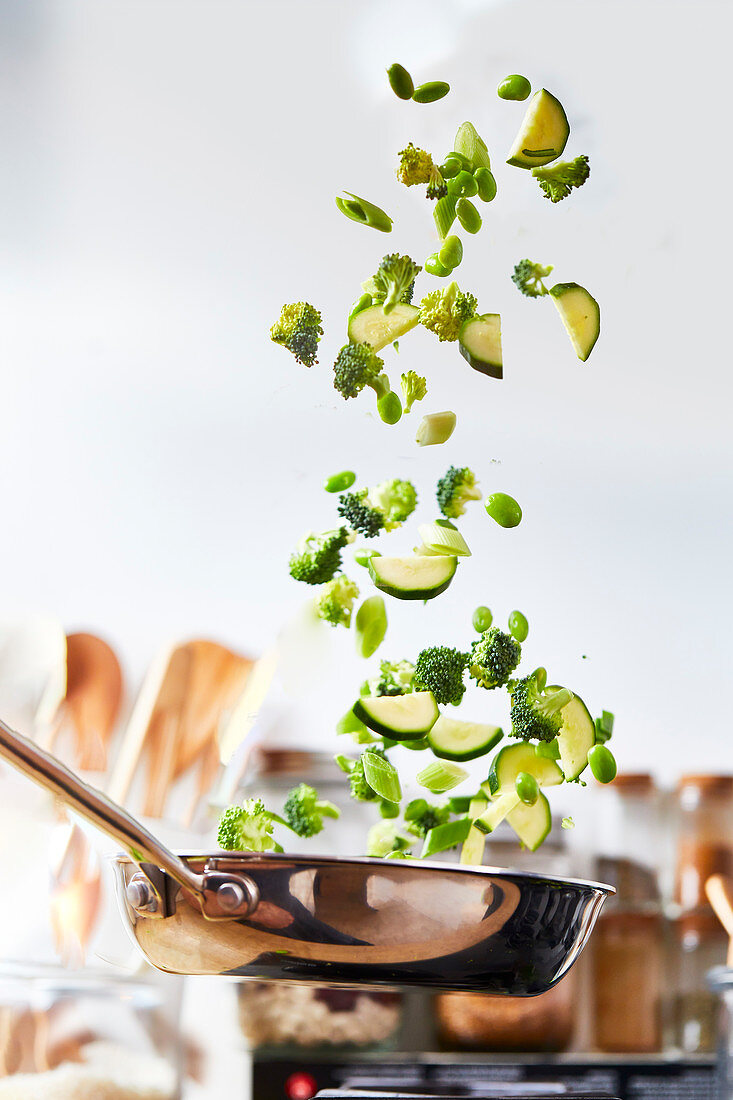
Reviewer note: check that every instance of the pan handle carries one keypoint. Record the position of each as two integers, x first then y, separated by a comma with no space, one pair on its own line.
221,895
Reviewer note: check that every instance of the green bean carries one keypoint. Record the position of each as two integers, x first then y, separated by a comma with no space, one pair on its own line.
361,303
602,763
400,81
430,92
503,509
364,554
468,215
365,212
339,483
433,266
550,750
389,407
450,253
527,788
450,167
518,626
482,619
370,626
486,184
514,87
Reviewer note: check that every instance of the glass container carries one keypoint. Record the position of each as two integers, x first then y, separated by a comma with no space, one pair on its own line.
720,982
700,943
705,835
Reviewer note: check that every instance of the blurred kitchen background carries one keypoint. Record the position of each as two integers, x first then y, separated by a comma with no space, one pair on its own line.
167,183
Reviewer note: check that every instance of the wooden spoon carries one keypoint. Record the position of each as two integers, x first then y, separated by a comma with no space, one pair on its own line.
93,697
719,889
164,730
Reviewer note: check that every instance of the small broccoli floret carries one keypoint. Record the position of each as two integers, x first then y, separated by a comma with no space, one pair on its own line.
360,514
384,838
246,828
394,678
423,817
528,278
393,282
395,499
415,166
357,366
440,669
414,388
318,557
335,601
299,330
454,490
445,311
304,812
558,180
360,789
493,658
535,714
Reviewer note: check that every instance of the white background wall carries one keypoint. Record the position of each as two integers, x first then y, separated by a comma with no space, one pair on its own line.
167,181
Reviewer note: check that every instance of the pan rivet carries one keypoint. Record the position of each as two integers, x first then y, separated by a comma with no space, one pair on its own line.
230,896
140,896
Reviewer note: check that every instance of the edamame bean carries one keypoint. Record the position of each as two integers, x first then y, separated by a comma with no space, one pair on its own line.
527,788
364,555
503,509
389,407
339,483
463,184
486,184
400,81
389,809
430,92
370,626
450,167
550,750
514,87
518,626
433,266
482,619
450,253
468,215
602,764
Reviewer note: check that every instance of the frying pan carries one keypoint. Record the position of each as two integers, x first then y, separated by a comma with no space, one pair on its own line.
324,920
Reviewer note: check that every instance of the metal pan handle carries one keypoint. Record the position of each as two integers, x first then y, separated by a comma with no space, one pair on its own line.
220,895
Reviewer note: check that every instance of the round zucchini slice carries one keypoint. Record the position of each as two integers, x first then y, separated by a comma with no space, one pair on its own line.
451,739
576,737
479,342
398,717
521,757
413,577
543,134
375,327
581,315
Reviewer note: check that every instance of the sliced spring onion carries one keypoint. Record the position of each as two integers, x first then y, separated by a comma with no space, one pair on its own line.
446,836
443,540
435,428
471,145
441,776
382,777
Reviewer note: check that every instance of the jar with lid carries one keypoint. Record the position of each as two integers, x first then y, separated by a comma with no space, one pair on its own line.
704,809
700,944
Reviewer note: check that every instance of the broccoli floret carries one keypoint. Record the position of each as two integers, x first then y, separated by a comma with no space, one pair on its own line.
416,166
384,838
414,389
456,487
394,678
335,601
246,828
395,499
535,714
360,789
528,278
360,514
304,812
440,669
423,817
357,366
445,311
493,658
558,180
299,330
393,282
318,557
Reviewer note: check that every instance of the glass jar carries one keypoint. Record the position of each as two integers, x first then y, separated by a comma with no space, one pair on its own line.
720,981
630,847
704,806
628,981
700,943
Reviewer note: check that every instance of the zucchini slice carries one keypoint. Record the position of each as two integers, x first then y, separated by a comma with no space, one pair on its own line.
373,326
521,757
497,811
543,134
479,342
451,739
576,738
581,315
399,717
531,823
472,852
413,577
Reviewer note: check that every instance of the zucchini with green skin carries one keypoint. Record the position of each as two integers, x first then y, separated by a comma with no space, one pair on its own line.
521,757
375,327
496,811
576,738
543,133
581,315
399,717
452,739
472,852
479,342
416,577
531,823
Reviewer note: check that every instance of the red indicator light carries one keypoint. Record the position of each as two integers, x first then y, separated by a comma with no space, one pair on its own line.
301,1086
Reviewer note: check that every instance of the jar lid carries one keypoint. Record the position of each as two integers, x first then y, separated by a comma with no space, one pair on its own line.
707,784
634,783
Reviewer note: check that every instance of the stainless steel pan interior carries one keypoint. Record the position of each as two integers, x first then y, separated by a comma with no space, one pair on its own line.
331,921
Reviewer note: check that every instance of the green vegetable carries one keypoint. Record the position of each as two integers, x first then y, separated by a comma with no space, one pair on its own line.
567,823
482,619
394,678
444,214
527,788
535,714
384,840
514,87
444,311
470,145
504,509
417,167
479,342
360,514
519,758
430,92
468,215
451,252
493,658
604,727
246,828
581,315
357,366
440,669
400,81
443,837
360,304
362,556
528,278
299,329
531,823
441,776
518,626
304,811
548,750
370,626
339,483
486,184
375,327
398,717
393,282
438,539
335,601
381,776
433,266
455,489
559,180
396,499
576,737
602,764
452,739
423,816
364,212
496,811
414,388
360,788
450,167
435,428
389,408
472,852
464,184
543,133
318,557
414,577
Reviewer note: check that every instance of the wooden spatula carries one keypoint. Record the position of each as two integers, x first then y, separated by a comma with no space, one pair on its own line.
719,889
93,697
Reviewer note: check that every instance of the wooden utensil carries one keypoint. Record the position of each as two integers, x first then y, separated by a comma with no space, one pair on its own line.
93,697
719,890
163,730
